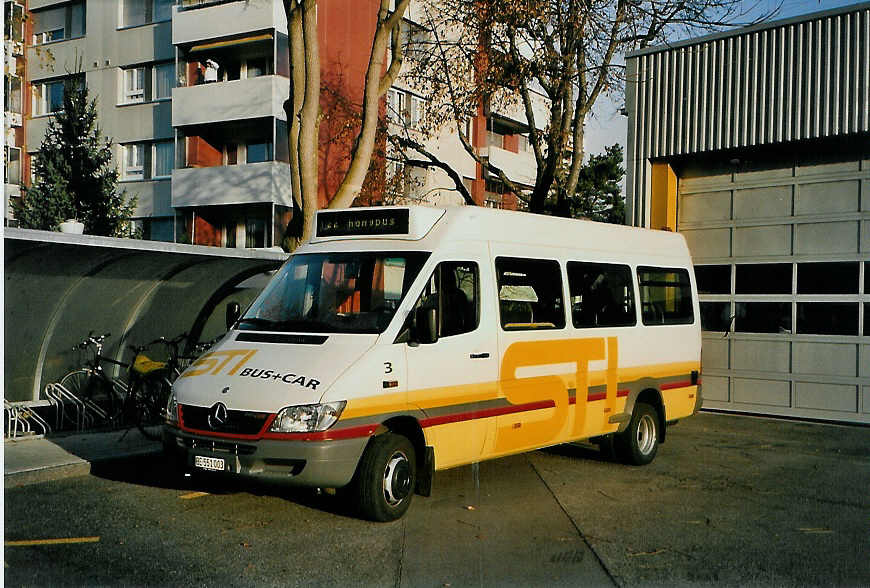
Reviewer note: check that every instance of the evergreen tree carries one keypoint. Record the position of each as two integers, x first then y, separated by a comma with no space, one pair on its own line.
598,195
74,175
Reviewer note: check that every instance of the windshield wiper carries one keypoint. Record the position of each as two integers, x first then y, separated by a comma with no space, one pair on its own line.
288,325
259,321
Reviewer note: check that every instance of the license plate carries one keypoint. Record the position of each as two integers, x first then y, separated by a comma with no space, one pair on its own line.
215,464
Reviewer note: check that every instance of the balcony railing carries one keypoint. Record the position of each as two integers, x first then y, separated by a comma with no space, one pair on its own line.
259,97
196,22
194,4
265,182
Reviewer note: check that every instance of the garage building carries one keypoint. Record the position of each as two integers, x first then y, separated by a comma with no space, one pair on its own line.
755,144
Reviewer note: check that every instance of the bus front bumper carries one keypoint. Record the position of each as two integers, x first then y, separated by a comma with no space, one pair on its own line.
325,464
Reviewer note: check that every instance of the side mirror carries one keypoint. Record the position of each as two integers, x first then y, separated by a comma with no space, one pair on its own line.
234,311
426,325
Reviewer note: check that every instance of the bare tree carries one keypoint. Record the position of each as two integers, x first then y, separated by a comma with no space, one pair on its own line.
304,112
489,55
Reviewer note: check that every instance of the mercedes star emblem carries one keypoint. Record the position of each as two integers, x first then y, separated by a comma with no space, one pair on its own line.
217,415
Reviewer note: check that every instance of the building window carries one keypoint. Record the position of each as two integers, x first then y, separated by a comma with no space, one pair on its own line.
13,29
12,96
763,278
416,111
395,105
57,24
260,66
134,85
255,232
164,80
762,317
529,294
47,97
146,83
716,316
827,318
259,152
713,279
133,167
405,108
522,143
839,277
12,173
495,139
139,12
162,157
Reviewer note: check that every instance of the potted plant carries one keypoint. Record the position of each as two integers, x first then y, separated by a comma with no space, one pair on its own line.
73,225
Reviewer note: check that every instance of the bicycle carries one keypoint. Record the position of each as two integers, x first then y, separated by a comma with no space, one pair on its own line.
142,399
151,383
99,393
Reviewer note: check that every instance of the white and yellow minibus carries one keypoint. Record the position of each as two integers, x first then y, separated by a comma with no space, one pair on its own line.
404,340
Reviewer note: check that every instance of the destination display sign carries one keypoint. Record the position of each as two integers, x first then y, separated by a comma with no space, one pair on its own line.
351,223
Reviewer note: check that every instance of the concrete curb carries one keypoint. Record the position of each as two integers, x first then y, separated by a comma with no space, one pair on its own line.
36,460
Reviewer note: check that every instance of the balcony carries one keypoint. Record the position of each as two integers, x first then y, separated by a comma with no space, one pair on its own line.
227,101
202,21
519,167
265,182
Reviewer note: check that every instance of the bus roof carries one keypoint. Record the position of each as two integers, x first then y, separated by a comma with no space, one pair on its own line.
421,227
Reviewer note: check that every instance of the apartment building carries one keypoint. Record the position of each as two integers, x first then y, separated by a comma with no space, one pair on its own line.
14,112
191,93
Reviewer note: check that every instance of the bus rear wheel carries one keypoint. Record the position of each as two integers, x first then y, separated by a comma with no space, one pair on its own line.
386,478
638,444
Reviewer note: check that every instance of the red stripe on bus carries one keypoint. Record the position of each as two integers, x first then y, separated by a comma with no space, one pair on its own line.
603,395
329,435
486,413
347,433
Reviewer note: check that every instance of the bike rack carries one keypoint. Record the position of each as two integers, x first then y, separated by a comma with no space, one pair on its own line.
21,419
60,398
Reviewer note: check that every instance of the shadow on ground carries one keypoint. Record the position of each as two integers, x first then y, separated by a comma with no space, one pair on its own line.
157,472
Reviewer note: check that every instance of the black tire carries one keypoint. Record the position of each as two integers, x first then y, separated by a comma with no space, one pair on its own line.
639,443
386,477
150,396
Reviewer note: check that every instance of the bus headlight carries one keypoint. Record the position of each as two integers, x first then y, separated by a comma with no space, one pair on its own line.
172,410
307,418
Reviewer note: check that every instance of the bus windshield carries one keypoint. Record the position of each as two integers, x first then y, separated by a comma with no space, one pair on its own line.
355,292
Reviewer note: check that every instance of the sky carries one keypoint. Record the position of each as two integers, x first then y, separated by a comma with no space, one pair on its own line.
607,126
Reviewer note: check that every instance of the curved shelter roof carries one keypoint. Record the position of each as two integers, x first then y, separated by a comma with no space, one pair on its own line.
60,287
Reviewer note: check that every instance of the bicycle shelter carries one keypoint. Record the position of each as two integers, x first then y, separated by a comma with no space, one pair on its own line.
59,287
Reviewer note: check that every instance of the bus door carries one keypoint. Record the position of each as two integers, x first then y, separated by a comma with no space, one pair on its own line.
453,380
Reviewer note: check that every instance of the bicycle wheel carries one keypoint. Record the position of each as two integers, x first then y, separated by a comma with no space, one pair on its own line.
96,394
150,396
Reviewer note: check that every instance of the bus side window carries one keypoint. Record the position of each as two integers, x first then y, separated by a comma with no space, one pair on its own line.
601,295
529,293
453,289
665,296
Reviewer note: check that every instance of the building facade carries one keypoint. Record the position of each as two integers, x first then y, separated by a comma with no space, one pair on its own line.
755,145
191,93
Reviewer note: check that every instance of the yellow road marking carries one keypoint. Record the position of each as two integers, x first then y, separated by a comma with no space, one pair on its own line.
31,542
193,495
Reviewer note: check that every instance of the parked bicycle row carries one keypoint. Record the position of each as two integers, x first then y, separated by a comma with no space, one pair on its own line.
104,392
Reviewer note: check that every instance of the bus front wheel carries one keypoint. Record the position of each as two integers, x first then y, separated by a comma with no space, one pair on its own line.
386,477
638,444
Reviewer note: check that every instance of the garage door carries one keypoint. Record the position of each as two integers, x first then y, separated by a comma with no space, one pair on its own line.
781,255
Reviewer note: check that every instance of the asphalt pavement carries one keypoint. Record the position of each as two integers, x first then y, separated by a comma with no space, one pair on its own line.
729,500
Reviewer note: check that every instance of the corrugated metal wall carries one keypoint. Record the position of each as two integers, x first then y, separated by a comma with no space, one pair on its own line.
787,81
